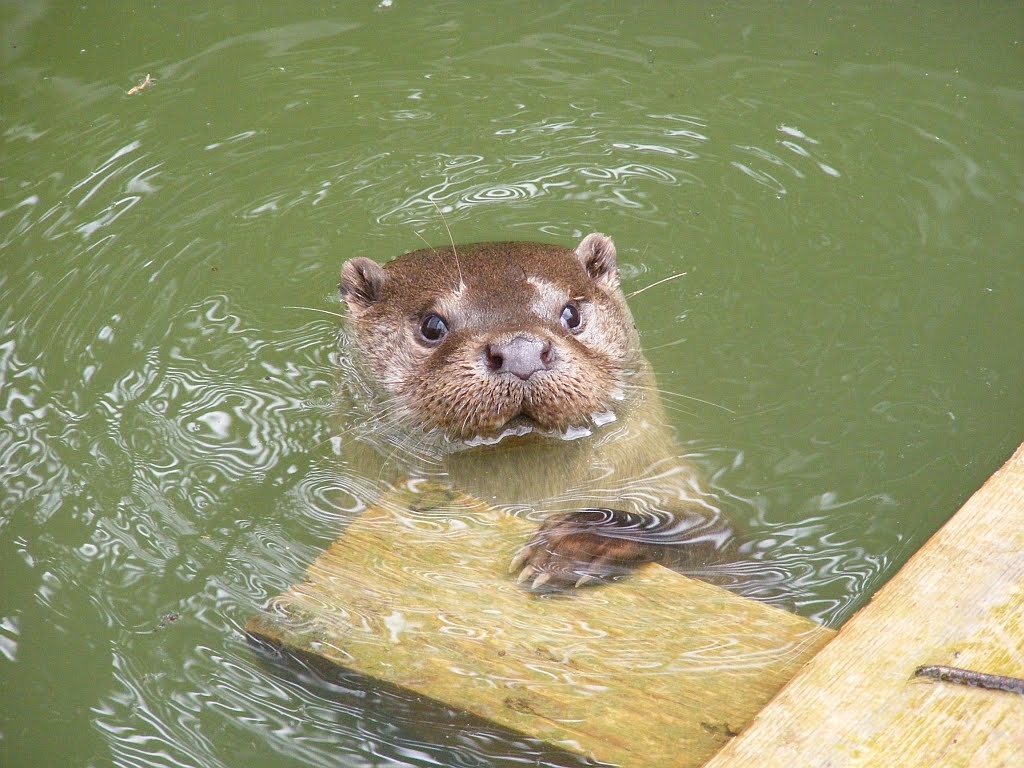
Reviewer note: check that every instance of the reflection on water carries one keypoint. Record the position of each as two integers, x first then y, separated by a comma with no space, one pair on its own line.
842,196
603,170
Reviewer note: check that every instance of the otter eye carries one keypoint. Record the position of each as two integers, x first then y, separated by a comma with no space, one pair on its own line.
433,328
571,316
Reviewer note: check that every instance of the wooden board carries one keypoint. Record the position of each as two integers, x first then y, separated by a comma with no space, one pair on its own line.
657,670
958,602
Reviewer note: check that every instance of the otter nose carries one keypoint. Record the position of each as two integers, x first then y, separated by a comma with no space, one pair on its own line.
522,356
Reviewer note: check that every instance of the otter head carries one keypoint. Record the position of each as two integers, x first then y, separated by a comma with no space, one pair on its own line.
495,338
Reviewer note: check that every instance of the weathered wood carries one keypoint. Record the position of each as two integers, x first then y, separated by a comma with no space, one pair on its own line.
657,670
958,602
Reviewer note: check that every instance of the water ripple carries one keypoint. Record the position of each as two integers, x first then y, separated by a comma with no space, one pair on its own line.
171,452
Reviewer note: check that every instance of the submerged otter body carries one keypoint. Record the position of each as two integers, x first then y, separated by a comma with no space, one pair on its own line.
519,363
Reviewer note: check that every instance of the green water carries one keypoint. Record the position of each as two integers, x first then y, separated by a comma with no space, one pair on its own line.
842,186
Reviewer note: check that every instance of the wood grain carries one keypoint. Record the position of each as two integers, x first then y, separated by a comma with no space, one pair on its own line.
656,670
958,602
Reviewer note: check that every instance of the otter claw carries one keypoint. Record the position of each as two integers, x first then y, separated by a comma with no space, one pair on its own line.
528,571
540,581
586,578
518,560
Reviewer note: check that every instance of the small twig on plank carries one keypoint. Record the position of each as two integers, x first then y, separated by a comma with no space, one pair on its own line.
969,677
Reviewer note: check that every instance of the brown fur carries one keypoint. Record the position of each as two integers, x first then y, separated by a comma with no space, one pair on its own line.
483,293
622,483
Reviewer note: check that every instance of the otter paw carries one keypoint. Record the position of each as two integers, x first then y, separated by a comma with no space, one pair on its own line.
582,547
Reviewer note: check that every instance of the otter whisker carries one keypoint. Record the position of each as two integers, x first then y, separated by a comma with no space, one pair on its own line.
638,291
425,241
462,283
405,443
674,408
314,309
679,395
667,344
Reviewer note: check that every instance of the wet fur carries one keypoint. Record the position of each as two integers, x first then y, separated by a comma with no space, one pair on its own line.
646,503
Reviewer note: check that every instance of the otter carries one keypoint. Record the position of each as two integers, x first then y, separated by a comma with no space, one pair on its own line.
514,372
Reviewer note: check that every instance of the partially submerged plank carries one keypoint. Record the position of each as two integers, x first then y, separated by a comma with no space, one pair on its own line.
657,670
958,602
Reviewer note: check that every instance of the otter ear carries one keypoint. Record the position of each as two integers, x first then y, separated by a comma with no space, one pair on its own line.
596,253
362,282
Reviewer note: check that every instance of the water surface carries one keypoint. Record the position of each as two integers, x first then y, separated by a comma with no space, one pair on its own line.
841,186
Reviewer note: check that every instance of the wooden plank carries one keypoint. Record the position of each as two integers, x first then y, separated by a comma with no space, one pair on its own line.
958,602
657,670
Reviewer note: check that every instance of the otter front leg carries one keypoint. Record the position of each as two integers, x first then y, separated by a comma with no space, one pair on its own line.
584,546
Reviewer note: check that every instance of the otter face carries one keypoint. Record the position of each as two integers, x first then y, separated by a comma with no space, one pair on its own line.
495,338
